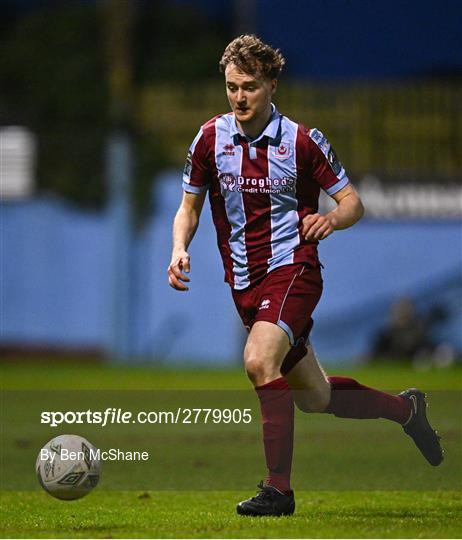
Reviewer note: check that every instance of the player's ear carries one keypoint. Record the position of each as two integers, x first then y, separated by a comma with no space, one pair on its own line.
274,86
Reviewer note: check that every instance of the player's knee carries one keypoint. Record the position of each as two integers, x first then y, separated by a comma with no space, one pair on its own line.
254,368
315,400
259,369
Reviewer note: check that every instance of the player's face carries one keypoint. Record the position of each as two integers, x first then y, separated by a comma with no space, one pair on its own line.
249,97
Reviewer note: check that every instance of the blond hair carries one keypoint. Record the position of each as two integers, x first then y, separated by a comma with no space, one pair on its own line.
252,56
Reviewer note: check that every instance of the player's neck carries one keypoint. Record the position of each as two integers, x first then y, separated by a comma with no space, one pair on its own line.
254,128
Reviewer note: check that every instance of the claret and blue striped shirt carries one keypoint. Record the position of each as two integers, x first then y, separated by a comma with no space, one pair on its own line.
260,190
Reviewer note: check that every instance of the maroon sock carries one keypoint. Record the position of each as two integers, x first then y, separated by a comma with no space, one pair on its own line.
349,399
277,410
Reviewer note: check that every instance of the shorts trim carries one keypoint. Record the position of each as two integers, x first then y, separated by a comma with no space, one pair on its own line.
288,330
287,292
281,323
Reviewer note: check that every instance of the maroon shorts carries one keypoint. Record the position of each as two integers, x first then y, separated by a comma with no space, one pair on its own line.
287,297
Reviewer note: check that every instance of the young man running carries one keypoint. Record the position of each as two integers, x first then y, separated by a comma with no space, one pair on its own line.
264,173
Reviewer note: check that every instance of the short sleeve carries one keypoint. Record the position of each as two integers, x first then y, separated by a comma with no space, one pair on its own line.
326,168
196,173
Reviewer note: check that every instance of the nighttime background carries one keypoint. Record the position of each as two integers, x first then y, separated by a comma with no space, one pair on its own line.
382,79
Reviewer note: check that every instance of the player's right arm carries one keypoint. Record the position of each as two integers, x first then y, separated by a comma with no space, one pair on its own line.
196,177
184,228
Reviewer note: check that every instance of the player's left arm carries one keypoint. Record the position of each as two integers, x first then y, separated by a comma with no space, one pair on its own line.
349,211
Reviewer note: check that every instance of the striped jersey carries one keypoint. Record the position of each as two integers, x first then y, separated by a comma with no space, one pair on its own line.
260,190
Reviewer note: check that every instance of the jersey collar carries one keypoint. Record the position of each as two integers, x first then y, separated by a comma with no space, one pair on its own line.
272,130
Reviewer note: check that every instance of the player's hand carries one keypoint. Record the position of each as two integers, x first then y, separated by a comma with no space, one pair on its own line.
317,227
177,270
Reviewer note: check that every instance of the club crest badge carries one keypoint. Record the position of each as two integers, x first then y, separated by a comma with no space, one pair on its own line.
283,151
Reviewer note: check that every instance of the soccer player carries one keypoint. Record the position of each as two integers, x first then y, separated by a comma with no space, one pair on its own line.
263,173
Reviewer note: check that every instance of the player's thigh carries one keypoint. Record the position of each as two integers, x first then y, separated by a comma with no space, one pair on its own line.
266,347
309,383
307,373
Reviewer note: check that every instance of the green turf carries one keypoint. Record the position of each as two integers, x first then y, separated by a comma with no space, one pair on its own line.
41,375
211,515
191,484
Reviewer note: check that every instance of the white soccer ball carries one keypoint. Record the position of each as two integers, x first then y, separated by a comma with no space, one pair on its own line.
68,467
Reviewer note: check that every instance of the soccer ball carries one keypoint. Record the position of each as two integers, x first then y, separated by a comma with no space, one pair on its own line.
68,467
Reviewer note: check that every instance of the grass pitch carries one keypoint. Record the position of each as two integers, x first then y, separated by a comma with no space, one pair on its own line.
211,515
359,479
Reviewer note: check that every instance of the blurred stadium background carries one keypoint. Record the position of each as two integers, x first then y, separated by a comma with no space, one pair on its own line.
99,102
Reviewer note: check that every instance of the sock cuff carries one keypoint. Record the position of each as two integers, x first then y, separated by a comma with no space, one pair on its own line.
344,383
277,384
